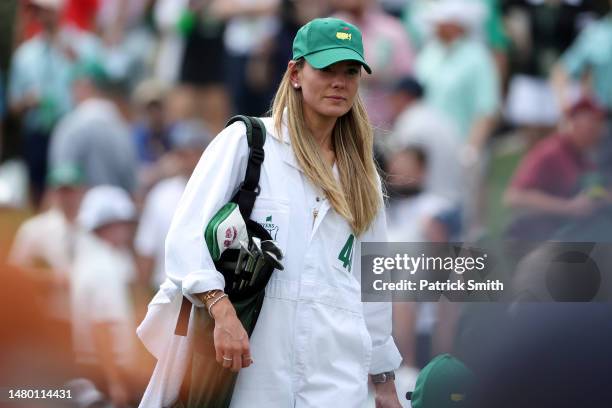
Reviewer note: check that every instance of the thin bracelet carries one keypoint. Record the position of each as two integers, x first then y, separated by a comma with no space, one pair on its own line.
214,302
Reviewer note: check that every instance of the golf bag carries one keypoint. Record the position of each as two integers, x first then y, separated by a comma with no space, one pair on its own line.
206,383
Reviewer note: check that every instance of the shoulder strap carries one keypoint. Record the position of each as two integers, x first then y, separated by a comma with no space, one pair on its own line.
244,197
249,188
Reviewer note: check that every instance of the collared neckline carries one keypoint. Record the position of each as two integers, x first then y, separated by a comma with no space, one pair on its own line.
284,137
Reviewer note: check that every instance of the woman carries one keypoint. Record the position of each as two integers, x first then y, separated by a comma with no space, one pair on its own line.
315,342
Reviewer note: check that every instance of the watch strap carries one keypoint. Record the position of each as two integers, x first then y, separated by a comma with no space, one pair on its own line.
383,377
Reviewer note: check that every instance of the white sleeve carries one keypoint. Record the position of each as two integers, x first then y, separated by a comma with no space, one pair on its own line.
147,235
25,246
108,300
216,177
378,315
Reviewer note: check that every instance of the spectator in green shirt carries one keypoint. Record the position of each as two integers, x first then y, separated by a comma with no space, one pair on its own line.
589,61
39,84
462,81
459,73
590,54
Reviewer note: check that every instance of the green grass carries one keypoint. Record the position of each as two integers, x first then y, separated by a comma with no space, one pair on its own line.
501,169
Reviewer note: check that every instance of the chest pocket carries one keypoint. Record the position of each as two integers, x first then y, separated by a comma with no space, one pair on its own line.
273,214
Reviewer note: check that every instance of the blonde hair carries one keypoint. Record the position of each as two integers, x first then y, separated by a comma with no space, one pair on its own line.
357,196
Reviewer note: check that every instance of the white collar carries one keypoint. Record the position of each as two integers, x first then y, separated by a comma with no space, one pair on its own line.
284,137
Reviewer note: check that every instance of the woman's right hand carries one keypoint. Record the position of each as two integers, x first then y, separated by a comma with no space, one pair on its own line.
231,339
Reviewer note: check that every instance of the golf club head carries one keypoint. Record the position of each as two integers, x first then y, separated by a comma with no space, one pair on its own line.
273,260
256,246
272,246
244,246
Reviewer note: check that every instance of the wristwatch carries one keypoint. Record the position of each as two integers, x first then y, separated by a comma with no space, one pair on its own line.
383,377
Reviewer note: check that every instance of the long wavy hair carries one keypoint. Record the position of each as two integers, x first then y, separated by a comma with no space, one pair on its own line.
357,196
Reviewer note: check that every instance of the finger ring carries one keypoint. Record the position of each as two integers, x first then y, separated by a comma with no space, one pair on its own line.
249,357
227,358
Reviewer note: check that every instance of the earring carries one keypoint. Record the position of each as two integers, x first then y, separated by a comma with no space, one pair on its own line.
296,86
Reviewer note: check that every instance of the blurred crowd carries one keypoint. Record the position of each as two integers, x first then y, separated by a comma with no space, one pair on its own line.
107,105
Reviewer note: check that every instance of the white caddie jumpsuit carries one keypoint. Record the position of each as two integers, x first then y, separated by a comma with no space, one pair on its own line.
315,341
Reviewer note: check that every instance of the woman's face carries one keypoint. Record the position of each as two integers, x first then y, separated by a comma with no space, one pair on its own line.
330,91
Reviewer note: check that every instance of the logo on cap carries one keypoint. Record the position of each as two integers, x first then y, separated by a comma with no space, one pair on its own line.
343,36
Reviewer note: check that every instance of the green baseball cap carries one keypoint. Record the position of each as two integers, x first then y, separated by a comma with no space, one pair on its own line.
65,175
325,41
93,70
443,383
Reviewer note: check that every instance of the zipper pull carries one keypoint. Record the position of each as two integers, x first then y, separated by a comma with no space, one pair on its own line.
315,212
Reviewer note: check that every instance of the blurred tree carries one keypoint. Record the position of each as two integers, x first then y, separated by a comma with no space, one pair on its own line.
7,22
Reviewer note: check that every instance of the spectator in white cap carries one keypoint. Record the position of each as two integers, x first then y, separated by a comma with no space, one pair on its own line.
461,79
103,328
458,71
188,141
39,83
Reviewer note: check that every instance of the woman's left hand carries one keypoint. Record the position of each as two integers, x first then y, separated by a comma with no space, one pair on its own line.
386,395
